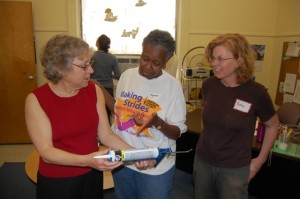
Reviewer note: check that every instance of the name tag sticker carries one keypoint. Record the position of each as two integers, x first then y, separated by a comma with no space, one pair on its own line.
242,106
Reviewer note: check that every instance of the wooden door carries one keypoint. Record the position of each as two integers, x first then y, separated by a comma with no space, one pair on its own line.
17,69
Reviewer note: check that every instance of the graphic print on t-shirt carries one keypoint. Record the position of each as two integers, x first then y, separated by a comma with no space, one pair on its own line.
129,103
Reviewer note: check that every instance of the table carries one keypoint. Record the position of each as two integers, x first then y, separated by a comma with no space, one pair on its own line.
32,165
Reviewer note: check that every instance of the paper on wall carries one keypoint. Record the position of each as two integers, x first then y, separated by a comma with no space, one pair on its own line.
287,98
258,65
289,83
293,49
296,97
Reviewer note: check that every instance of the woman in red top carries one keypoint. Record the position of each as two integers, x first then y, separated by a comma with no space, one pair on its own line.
64,117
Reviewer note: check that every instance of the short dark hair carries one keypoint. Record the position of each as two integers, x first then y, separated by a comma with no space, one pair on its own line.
103,43
161,38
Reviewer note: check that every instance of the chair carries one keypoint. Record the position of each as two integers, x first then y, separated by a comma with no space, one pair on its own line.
289,113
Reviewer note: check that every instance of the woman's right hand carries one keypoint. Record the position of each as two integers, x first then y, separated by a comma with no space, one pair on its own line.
102,164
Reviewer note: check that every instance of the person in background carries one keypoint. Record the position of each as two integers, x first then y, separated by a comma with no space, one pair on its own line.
232,102
105,66
64,118
150,111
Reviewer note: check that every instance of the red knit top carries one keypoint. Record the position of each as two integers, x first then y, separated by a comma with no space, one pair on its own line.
74,121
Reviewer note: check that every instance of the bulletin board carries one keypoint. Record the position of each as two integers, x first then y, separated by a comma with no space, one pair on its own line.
289,65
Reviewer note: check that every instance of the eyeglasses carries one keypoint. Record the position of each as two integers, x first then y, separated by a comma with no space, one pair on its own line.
85,66
218,59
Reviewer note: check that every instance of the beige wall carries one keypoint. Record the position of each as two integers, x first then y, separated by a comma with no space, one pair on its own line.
268,22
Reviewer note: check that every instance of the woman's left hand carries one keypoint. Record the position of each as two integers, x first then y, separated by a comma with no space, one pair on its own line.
254,168
144,164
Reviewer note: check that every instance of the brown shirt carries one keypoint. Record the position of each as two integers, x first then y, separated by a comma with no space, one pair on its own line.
229,115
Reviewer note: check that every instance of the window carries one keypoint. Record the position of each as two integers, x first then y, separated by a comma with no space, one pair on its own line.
126,22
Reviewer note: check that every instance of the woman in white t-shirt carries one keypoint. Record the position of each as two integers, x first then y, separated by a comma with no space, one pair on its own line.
150,111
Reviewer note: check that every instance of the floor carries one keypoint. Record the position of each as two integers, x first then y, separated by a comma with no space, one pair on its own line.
15,153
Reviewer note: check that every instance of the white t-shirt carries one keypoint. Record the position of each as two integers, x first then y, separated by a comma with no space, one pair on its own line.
163,95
